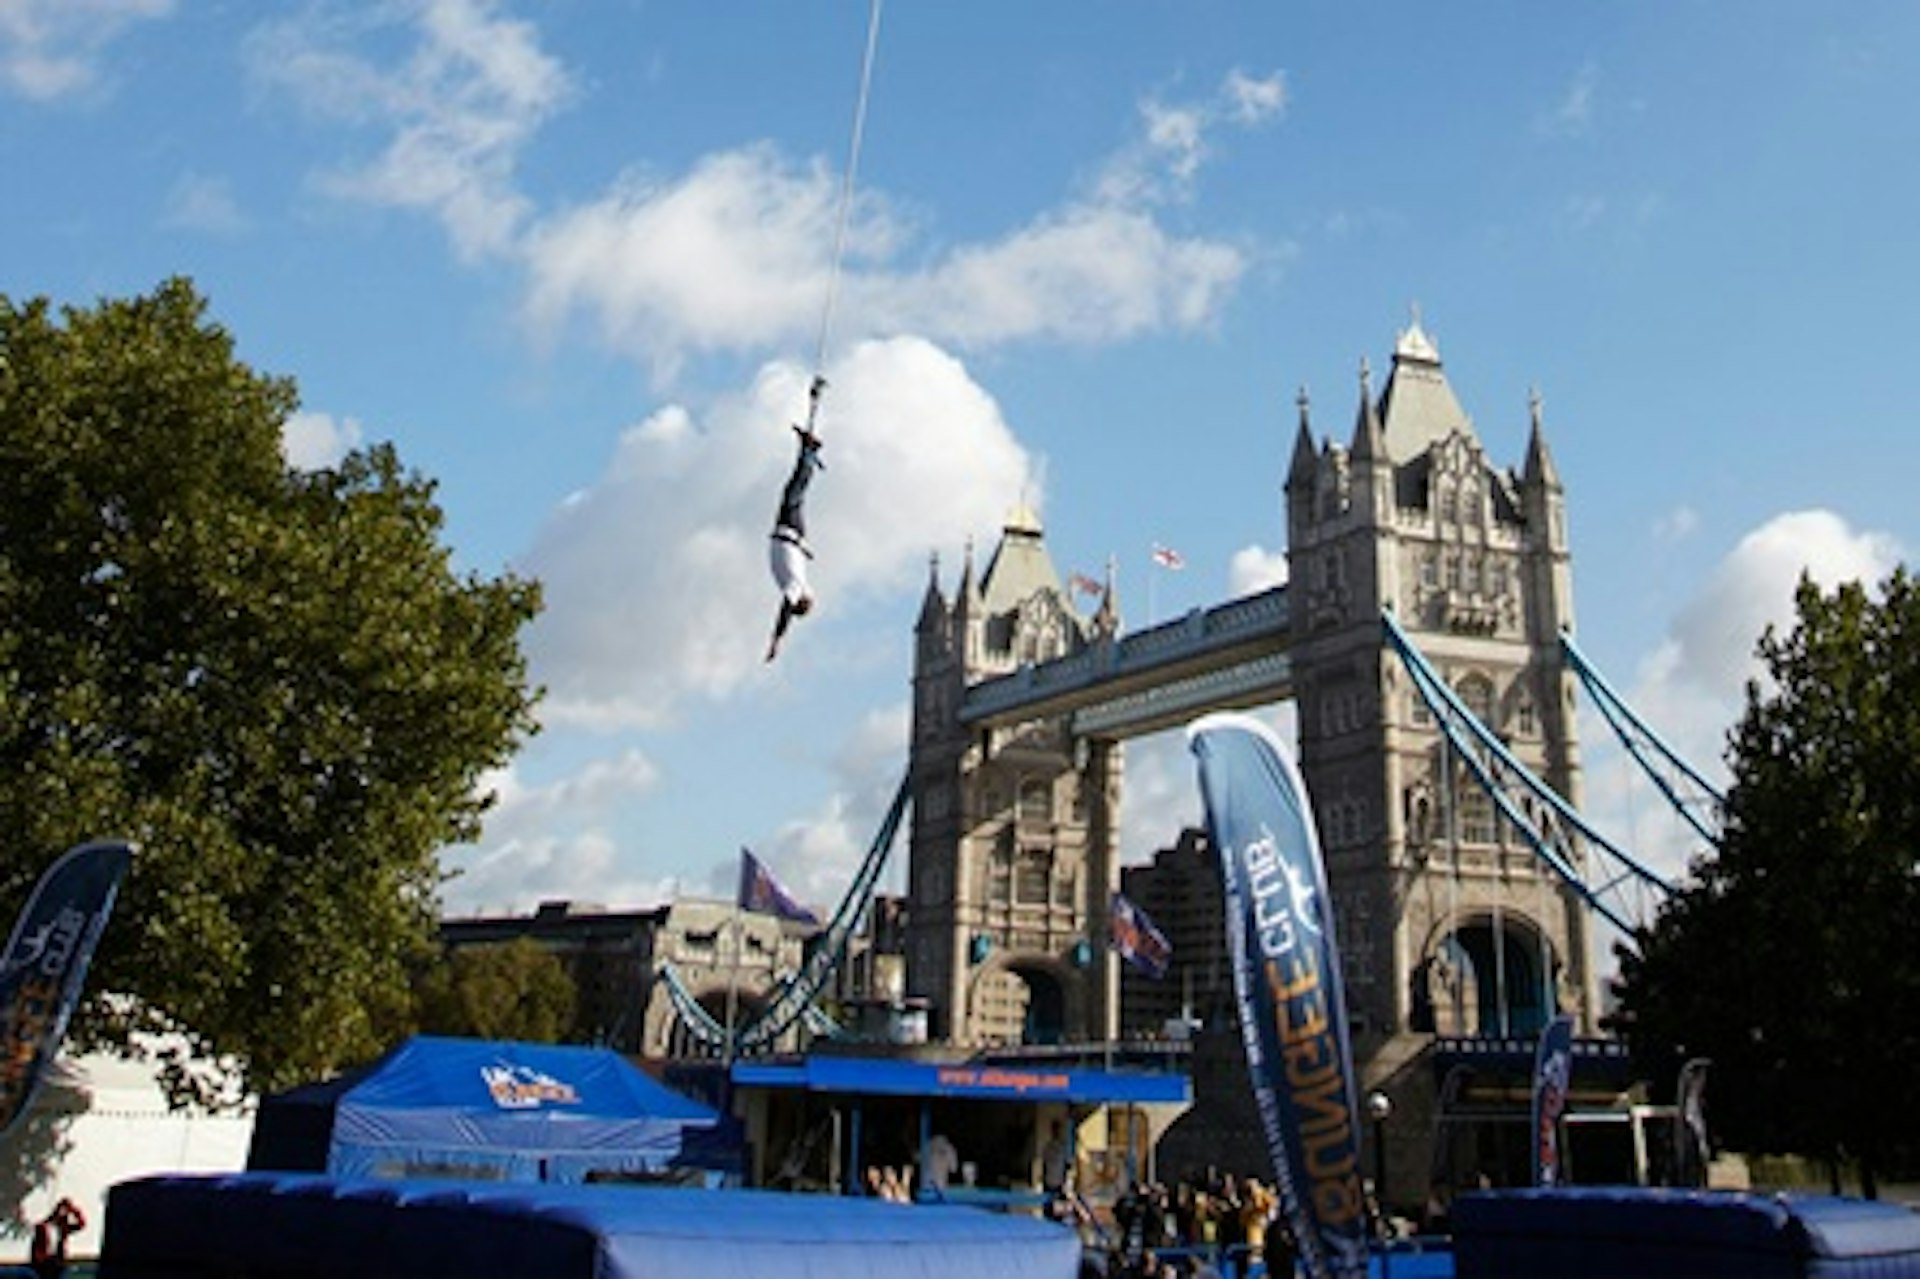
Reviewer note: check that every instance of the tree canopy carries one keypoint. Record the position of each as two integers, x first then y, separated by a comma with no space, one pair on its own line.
503,990
273,680
1789,959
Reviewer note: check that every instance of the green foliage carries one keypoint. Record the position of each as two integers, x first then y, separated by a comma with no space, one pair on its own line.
1790,961
512,990
272,680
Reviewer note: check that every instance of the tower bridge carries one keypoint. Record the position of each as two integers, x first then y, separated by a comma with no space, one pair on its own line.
1227,657
1450,924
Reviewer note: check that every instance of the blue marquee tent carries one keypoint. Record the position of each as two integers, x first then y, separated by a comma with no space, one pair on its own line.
492,1111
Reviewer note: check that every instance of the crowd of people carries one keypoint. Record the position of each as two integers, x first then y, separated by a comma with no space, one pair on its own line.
1214,1223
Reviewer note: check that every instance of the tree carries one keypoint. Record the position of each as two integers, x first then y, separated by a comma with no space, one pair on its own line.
273,680
1789,959
509,990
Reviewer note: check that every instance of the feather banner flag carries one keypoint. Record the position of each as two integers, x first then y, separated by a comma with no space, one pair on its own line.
761,892
1286,973
1138,940
45,963
1552,1078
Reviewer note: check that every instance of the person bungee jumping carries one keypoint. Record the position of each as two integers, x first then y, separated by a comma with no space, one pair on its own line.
787,549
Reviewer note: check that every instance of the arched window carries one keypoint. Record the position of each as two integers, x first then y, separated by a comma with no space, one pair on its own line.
1036,801
1477,692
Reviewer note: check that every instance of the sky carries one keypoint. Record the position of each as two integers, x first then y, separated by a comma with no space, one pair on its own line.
578,259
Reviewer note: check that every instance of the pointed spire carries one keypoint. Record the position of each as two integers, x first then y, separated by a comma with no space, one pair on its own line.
1539,467
967,593
1106,619
1369,437
933,606
1300,470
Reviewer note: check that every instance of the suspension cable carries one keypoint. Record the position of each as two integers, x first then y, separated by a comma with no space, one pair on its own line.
846,208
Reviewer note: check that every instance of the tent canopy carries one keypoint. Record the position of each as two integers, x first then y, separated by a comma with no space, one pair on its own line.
491,1110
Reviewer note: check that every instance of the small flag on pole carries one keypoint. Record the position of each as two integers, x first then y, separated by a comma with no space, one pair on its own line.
1139,942
760,891
1084,584
1167,557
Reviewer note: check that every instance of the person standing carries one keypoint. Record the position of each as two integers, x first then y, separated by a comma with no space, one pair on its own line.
50,1235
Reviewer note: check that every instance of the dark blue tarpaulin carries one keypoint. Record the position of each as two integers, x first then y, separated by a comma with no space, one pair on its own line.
285,1226
490,1110
1601,1232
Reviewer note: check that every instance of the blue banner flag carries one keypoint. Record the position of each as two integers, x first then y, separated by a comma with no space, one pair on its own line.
46,961
1139,942
760,891
1552,1077
1286,972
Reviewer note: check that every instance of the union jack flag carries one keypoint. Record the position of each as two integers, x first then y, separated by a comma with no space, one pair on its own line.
1167,557
1139,942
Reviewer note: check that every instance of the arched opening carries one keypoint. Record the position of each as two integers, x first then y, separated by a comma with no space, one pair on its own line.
1486,979
1021,1003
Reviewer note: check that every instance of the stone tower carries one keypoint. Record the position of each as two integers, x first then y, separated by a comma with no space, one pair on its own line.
1449,923
1012,846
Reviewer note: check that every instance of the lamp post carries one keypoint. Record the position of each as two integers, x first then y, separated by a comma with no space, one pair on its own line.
1379,1106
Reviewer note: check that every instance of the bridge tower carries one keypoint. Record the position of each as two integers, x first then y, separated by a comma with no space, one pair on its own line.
1012,851
1450,923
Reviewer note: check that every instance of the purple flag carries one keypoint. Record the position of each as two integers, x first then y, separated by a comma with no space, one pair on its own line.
1286,972
760,891
46,961
1552,1076
1139,942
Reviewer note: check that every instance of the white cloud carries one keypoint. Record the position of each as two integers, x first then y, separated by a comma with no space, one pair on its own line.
1255,568
200,203
1572,115
1160,166
1691,688
736,254
52,48
552,841
655,578
315,440
472,90
1254,100
1676,525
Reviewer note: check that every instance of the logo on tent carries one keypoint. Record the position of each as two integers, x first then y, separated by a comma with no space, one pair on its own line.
524,1088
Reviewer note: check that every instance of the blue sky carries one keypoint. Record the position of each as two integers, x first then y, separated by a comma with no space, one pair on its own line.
572,257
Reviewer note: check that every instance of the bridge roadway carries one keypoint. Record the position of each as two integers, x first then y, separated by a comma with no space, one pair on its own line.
1228,657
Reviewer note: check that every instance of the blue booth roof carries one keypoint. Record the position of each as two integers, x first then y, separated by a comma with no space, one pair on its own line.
880,1076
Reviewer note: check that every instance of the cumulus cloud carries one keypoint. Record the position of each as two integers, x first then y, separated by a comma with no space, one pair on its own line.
553,841
735,254
315,440
655,578
54,48
817,854
1255,568
1175,139
1691,687
455,112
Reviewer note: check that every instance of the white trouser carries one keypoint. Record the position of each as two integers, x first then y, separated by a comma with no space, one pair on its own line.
789,563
